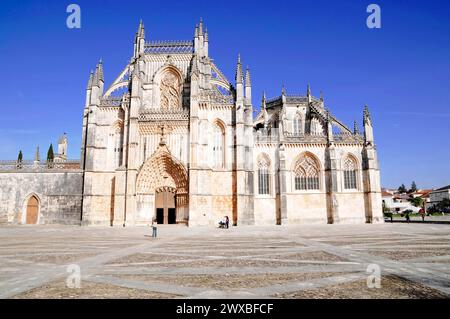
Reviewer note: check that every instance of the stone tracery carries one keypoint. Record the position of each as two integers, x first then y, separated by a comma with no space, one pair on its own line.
306,172
350,169
263,174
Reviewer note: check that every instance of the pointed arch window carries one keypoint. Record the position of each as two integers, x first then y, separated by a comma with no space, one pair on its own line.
306,173
316,127
117,144
218,146
263,176
350,169
118,149
297,124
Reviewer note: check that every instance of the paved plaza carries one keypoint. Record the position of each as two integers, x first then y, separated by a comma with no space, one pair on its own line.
319,261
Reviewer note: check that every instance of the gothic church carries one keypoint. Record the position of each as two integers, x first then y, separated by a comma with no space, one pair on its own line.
173,140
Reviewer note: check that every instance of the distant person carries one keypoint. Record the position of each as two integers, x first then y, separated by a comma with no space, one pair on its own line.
422,214
154,229
407,216
227,222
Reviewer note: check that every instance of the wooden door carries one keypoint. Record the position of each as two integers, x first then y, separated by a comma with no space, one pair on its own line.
32,211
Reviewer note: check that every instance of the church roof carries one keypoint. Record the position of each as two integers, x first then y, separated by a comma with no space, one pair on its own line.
169,47
316,107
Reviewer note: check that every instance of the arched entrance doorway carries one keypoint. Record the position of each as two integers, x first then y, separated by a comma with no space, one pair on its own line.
165,204
162,188
32,213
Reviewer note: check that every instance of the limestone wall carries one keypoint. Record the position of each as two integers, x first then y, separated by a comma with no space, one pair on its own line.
265,210
58,194
307,208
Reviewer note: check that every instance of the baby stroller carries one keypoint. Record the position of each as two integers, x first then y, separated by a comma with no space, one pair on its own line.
222,224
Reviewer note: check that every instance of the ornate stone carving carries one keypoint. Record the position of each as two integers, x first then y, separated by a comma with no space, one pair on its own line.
263,161
306,166
162,170
170,91
349,164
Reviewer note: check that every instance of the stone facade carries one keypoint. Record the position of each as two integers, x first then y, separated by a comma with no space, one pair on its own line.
171,122
58,194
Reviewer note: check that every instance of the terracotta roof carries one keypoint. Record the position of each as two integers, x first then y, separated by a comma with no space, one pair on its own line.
424,193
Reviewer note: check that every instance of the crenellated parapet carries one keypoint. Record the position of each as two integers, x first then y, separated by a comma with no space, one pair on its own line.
32,166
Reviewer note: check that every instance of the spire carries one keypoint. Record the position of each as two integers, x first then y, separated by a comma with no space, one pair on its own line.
308,93
200,27
283,90
100,71
63,138
239,74
248,80
328,115
91,80
367,118
355,128
264,109
330,136
321,97
95,77
37,156
196,30
368,129
206,35
141,30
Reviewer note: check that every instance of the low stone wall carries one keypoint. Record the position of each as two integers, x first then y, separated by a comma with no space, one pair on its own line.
58,194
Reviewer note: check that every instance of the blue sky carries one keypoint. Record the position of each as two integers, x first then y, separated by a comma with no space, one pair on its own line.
402,71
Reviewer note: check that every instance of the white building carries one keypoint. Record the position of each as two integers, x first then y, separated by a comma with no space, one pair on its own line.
438,195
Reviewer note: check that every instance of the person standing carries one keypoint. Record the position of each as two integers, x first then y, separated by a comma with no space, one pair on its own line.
154,229
227,222
422,214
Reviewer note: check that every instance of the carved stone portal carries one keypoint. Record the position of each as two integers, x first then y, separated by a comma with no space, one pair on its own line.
162,172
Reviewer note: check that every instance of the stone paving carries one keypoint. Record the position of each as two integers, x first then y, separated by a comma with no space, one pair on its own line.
311,261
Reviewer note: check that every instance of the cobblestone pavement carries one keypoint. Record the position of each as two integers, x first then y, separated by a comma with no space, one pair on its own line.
320,261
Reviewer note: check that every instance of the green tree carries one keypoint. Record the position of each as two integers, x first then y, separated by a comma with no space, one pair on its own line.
50,156
20,157
416,201
413,187
19,160
402,189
